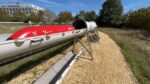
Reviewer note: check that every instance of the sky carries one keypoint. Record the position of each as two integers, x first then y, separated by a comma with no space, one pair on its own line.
76,5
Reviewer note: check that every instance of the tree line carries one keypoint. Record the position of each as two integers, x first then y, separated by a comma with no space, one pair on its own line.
138,19
85,15
110,15
19,16
39,17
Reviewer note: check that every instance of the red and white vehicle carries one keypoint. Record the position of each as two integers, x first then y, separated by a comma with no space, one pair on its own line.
33,31
37,37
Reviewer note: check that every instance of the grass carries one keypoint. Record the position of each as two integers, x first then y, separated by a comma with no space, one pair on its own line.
14,69
10,27
135,45
107,67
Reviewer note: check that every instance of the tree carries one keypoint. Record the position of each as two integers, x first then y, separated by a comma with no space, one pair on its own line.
33,17
89,16
41,16
111,13
19,17
81,14
139,18
64,16
3,16
49,15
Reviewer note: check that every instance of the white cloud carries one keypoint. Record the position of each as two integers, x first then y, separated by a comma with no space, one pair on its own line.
70,6
136,5
52,2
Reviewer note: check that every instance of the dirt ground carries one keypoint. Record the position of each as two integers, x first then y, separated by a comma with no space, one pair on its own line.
108,67
31,75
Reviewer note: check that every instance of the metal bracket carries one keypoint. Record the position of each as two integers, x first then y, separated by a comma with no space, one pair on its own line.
89,50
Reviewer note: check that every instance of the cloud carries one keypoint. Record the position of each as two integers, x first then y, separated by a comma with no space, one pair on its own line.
77,4
51,2
136,5
63,6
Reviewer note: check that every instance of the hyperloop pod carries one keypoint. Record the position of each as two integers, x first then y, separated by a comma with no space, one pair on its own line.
35,37
80,24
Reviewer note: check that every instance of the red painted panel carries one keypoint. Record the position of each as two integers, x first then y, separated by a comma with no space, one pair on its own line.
32,31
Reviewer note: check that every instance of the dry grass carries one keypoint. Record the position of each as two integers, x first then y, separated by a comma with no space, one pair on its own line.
16,69
9,28
108,66
135,46
32,74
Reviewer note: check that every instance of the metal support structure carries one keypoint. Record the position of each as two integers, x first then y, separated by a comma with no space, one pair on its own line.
89,50
74,43
97,35
94,37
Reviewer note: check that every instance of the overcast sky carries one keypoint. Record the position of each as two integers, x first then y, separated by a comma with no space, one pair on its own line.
76,5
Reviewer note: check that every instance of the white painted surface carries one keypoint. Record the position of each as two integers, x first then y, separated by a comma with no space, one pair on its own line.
3,37
50,74
67,70
15,47
90,25
11,48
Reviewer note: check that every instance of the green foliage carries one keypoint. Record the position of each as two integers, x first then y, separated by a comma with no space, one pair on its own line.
81,15
91,16
134,45
19,17
139,18
111,13
33,17
88,16
41,16
48,14
3,16
64,16
11,27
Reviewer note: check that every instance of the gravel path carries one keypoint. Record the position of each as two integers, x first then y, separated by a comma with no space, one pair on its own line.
31,75
108,66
